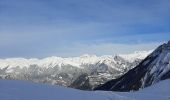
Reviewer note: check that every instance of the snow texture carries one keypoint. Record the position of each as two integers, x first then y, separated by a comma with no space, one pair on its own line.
22,90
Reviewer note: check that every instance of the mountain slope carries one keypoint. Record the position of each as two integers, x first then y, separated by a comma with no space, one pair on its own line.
21,90
151,70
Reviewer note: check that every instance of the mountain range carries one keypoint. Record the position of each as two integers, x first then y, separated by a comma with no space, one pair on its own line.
84,72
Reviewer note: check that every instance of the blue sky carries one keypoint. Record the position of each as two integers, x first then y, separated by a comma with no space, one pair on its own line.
42,28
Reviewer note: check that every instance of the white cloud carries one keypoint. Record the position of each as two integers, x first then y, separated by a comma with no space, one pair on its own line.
103,49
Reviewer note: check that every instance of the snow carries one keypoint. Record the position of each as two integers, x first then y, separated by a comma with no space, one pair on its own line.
22,90
74,61
159,91
160,66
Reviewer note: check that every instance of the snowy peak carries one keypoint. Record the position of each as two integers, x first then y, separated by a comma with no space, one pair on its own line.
74,61
159,68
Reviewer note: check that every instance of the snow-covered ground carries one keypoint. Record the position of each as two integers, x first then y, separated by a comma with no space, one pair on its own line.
22,90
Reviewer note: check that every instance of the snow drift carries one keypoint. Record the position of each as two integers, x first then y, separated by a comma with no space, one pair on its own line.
22,90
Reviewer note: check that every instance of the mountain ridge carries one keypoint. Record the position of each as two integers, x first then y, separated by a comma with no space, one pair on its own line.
66,71
151,70
77,61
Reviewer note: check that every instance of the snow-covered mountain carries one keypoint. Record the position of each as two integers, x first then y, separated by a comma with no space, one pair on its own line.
67,71
151,70
74,61
20,90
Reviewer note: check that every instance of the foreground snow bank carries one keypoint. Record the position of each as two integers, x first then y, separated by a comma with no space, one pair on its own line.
159,91
21,90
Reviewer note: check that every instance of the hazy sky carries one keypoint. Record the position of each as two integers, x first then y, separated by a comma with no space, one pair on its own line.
42,28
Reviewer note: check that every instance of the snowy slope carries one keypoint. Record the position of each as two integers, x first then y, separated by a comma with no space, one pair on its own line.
152,69
20,90
159,91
